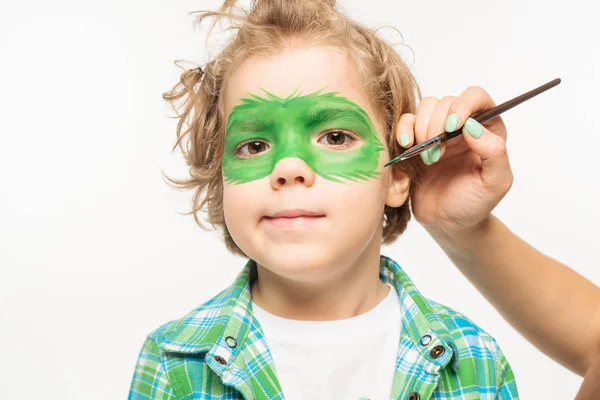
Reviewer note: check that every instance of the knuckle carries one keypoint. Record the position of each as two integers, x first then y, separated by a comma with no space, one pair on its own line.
429,99
507,185
477,90
407,117
498,149
448,99
510,181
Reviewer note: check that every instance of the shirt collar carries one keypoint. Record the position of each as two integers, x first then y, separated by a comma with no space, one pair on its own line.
227,318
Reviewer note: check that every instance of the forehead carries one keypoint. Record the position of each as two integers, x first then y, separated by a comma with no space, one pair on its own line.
305,70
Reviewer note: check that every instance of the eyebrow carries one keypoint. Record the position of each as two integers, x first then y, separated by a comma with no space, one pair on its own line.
322,115
312,119
252,125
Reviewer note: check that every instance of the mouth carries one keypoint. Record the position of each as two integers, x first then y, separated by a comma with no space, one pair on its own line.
294,218
295,213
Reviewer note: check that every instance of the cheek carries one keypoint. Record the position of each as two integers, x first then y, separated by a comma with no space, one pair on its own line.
239,213
359,202
231,207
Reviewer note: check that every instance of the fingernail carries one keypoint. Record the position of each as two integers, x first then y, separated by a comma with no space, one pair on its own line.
474,128
434,154
425,157
451,122
404,139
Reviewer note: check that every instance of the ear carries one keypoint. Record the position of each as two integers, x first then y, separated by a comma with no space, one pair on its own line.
397,191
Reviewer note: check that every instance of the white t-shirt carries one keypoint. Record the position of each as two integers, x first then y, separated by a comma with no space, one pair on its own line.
347,359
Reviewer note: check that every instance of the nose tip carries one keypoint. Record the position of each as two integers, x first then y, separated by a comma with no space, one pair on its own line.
282,181
291,170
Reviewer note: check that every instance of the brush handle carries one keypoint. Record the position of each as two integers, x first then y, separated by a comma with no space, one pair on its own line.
481,118
494,112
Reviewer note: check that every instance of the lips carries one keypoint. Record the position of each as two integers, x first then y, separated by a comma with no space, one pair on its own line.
295,213
294,220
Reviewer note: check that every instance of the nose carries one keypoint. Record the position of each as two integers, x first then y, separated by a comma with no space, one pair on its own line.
291,170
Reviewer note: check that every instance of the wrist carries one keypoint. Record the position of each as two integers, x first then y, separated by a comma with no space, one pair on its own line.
461,239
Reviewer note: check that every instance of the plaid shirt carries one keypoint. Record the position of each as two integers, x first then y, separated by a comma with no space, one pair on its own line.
218,351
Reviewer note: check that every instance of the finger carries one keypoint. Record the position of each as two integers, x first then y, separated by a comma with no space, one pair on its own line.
473,100
436,127
405,132
438,118
423,116
496,173
424,113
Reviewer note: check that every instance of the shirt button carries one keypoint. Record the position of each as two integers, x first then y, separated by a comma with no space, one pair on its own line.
231,342
414,396
220,360
425,340
437,351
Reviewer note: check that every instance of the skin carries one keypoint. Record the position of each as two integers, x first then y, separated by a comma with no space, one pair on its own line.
454,204
329,270
591,383
302,277
291,127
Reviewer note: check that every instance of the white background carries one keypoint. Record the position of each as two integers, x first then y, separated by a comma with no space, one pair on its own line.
93,252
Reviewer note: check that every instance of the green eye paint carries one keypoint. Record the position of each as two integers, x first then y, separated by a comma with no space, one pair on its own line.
288,126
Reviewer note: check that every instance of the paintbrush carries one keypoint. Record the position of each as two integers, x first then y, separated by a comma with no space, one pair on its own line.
481,118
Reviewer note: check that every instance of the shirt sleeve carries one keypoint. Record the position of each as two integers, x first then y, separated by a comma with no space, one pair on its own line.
149,378
508,385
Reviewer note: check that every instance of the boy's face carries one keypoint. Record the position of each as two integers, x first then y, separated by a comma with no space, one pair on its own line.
303,139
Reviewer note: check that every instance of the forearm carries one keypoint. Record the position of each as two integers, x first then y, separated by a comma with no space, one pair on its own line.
554,307
591,383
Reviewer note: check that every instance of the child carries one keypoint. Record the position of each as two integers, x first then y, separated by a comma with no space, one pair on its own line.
290,127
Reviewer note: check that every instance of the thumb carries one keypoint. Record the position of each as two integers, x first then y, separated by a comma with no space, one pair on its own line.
496,173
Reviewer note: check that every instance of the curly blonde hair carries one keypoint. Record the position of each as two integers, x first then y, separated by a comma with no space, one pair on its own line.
267,29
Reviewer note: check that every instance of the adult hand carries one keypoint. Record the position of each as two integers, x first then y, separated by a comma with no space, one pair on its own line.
465,177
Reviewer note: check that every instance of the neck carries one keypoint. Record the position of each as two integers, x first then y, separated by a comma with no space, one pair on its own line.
345,290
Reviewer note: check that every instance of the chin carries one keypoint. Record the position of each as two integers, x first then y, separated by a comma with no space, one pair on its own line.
296,257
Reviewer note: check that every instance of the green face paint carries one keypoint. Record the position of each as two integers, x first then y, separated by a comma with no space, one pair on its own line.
289,126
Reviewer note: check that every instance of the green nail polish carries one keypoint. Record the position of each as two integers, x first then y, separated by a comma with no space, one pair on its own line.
404,140
474,128
425,157
451,122
434,154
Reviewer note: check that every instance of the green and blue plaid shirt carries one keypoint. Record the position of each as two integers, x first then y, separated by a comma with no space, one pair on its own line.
218,351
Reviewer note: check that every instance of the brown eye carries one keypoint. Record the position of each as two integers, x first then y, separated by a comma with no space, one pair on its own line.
338,140
254,147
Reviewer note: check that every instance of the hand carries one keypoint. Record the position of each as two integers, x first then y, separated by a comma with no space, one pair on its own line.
466,177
